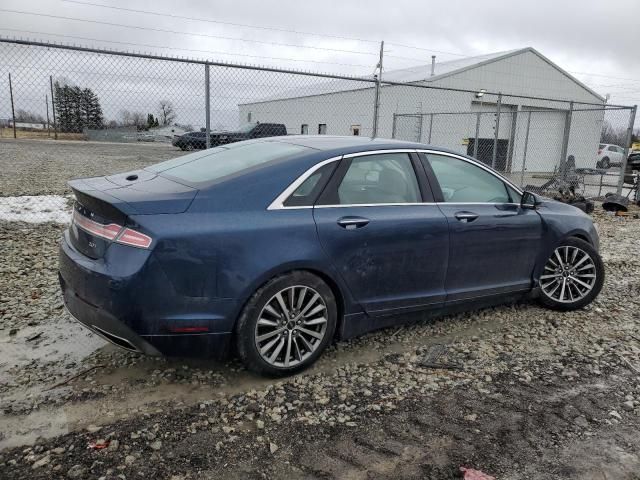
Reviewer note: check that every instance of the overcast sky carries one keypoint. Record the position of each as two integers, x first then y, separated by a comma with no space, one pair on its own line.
598,42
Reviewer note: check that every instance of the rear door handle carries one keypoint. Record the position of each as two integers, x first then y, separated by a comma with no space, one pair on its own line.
351,223
466,217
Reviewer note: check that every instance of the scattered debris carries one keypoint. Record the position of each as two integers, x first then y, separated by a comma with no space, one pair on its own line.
34,337
471,474
98,445
79,374
614,203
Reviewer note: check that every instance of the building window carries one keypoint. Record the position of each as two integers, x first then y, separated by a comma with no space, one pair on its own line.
249,117
355,130
304,129
322,129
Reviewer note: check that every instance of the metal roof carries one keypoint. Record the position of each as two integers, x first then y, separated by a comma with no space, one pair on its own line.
421,73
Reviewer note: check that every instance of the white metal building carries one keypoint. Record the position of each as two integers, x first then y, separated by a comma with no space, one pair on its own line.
344,107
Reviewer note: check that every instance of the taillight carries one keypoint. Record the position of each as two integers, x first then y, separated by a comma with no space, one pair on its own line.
110,232
113,232
134,239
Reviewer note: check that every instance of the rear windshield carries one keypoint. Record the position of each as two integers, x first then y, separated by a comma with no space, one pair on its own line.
213,164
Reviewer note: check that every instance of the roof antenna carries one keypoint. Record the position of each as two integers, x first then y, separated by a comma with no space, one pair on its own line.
433,65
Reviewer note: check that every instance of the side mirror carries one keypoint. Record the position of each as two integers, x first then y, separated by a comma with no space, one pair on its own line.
529,200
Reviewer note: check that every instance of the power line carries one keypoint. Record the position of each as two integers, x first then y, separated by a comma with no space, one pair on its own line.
176,32
180,49
207,20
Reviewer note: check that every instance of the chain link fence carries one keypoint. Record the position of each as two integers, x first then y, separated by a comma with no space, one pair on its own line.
69,112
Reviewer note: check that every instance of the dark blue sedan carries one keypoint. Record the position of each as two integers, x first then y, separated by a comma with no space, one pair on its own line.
277,246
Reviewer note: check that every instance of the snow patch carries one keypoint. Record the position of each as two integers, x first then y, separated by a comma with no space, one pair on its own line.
36,209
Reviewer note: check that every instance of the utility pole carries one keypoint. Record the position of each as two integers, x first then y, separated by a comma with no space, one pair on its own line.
53,109
13,112
497,132
376,105
46,101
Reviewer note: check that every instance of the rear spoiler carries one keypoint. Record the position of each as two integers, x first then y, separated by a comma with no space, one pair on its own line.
88,192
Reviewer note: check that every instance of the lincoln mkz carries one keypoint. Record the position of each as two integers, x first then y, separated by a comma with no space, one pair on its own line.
275,247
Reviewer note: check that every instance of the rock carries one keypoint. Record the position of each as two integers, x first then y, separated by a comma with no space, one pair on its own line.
615,414
93,429
129,460
273,448
157,445
471,417
77,471
58,450
113,445
581,421
628,405
259,424
42,462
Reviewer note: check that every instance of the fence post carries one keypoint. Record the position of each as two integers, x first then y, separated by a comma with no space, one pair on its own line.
376,104
393,126
524,153
13,112
565,142
430,127
207,105
497,127
46,101
475,142
53,109
627,143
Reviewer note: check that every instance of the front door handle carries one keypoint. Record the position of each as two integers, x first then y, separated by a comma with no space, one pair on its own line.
351,223
466,217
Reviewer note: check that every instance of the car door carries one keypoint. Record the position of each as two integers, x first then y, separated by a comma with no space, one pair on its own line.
493,242
378,225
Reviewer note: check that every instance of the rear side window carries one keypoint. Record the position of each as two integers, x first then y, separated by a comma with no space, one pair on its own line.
308,191
464,182
216,163
379,179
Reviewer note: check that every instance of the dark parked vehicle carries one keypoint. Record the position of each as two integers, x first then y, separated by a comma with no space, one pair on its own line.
633,164
198,140
278,246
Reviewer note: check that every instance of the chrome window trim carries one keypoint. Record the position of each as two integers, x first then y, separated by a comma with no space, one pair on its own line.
278,203
477,164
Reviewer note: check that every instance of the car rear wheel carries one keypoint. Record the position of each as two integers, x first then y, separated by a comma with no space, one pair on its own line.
572,277
286,325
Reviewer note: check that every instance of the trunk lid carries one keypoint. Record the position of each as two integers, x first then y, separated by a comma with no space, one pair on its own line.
103,205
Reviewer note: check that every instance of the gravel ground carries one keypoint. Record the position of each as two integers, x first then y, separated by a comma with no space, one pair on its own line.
43,167
534,393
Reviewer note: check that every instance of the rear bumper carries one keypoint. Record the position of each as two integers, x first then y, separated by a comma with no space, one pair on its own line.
138,309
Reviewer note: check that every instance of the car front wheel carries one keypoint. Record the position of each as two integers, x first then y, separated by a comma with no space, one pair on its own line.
573,276
286,324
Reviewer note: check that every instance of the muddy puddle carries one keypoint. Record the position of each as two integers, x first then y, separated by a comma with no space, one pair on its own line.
125,384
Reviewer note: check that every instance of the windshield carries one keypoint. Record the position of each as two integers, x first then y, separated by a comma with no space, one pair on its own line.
216,163
247,127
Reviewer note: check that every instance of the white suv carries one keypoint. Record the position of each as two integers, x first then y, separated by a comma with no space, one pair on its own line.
609,156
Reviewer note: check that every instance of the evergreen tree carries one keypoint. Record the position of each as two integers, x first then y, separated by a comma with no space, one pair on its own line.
77,108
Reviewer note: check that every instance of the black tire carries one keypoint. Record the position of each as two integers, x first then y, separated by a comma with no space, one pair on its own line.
598,270
246,327
605,162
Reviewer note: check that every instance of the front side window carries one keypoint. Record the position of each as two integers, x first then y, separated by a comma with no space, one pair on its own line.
464,182
384,178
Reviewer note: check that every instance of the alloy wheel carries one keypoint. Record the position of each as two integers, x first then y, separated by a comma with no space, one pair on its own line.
569,275
291,326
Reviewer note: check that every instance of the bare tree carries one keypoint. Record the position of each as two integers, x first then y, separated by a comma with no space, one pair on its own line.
28,117
166,112
133,119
